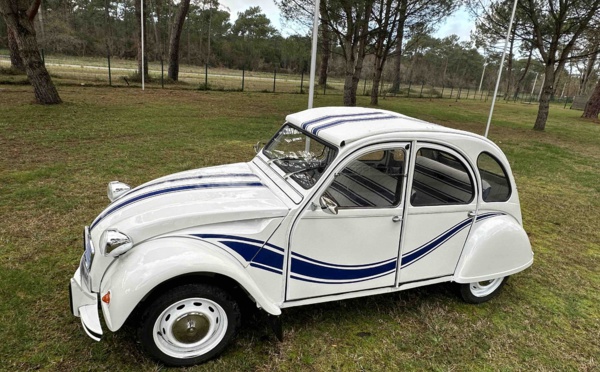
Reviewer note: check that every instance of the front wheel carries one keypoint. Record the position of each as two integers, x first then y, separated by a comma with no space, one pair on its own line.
478,292
189,324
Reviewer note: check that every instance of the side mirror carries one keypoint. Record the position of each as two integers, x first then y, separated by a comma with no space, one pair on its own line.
328,205
257,147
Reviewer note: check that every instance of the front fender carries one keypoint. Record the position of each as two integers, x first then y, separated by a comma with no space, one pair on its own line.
135,274
495,247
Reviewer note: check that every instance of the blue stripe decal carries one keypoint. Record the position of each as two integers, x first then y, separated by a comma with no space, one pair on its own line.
319,128
307,269
169,191
198,177
233,237
415,255
323,118
294,254
314,271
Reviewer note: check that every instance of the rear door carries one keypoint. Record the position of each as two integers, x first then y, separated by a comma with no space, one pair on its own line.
440,211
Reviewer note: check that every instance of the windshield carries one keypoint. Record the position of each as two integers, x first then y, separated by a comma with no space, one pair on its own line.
301,157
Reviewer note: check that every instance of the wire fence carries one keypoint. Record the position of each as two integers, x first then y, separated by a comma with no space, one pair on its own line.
96,71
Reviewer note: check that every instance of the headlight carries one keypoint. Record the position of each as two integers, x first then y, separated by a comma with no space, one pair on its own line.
116,189
114,243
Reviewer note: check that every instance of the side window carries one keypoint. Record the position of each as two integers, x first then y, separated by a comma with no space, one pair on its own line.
372,181
495,184
440,178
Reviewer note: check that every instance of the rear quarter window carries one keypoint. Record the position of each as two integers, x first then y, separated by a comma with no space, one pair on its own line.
495,183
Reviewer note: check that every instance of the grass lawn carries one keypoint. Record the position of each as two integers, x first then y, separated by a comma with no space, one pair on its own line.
55,163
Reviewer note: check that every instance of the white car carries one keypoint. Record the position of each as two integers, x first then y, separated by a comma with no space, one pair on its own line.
341,203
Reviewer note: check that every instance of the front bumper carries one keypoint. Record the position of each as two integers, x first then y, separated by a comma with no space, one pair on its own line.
84,304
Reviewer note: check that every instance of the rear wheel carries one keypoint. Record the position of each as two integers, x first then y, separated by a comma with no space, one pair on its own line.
478,292
189,325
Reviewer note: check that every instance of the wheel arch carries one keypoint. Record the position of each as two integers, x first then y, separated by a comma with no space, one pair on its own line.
497,246
158,265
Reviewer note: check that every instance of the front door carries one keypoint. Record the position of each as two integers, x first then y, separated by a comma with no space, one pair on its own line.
357,248
440,213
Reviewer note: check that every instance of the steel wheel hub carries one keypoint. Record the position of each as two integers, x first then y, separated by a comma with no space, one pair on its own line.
485,288
189,328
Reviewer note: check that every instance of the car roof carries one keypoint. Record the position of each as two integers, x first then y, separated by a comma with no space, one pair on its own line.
343,125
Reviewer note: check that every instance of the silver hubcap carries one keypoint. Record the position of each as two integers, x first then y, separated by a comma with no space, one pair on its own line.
485,288
190,328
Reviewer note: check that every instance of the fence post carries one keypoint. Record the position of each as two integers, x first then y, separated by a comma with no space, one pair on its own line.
162,72
243,76
206,75
324,88
487,95
365,88
421,93
274,79
468,90
458,94
408,93
302,83
442,95
109,75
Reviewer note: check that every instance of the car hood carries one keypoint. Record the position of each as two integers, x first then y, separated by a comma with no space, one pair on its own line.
189,199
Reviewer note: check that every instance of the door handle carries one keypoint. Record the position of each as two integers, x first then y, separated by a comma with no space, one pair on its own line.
396,219
472,214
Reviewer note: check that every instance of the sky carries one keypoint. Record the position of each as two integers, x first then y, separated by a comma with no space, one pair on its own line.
458,24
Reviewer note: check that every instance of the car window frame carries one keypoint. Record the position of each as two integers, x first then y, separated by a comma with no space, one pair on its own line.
506,177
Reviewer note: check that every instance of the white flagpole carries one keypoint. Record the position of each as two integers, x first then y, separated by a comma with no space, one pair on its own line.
512,17
142,23
313,56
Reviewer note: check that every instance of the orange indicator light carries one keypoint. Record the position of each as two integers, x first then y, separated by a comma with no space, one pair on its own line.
106,298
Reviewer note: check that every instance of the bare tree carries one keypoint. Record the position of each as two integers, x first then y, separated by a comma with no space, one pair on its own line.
18,16
557,25
386,17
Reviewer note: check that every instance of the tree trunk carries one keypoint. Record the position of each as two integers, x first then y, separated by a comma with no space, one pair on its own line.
19,22
376,80
16,61
138,16
544,106
510,64
175,38
399,40
592,107
326,48
348,75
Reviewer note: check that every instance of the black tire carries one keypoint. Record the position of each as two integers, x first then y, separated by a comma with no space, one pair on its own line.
479,292
189,324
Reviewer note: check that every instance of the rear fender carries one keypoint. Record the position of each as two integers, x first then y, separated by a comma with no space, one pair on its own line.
134,275
497,246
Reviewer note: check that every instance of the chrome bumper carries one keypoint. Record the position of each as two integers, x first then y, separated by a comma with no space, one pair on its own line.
84,304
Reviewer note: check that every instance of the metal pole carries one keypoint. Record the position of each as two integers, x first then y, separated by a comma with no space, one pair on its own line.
533,87
274,79
142,27
512,17
541,88
205,76
313,56
483,73
108,58
302,83
243,76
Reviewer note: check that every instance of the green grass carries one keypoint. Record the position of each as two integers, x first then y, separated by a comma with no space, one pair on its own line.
55,162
